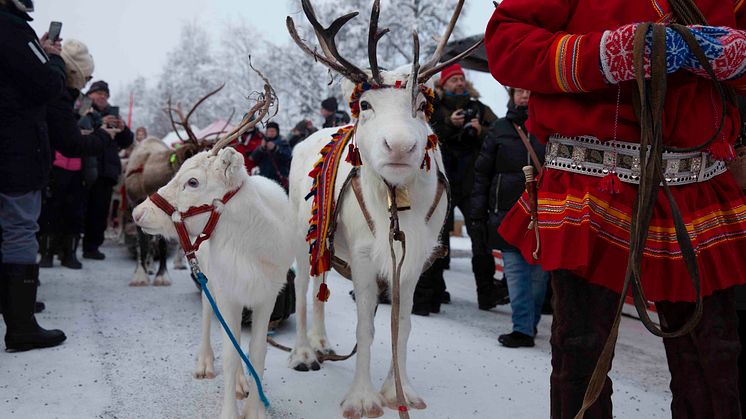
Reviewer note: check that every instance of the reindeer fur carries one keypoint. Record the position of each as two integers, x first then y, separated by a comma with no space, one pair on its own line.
243,266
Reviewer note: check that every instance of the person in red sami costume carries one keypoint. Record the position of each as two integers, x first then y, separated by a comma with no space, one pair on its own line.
576,58
246,144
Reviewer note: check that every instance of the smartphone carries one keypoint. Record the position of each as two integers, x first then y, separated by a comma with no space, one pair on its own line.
54,31
114,111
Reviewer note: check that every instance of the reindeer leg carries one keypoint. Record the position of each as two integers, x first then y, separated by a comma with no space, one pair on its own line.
231,311
253,408
206,358
141,277
362,400
162,278
317,337
303,357
388,390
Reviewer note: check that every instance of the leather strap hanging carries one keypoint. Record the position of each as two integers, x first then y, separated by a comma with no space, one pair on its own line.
530,149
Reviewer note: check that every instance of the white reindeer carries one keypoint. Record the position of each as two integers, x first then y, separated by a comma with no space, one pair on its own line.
392,135
245,259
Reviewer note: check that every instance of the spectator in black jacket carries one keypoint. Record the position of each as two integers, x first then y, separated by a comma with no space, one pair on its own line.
63,209
460,120
32,73
109,168
499,182
273,156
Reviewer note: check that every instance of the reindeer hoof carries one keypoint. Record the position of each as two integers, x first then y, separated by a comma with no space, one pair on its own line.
301,368
315,366
161,281
242,387
138,283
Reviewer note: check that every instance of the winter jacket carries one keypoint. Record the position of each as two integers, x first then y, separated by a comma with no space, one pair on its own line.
29,79
274,164
249,142
498,173
459,149
64,134
108,164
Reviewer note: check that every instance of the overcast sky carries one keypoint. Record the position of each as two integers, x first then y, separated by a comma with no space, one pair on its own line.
128,38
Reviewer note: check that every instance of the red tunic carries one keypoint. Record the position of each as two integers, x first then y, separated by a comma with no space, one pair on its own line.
246,146
551,47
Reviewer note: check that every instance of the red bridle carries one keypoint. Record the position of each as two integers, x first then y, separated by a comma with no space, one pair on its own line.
186,244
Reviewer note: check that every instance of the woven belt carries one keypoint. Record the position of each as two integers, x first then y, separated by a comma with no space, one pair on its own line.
590,156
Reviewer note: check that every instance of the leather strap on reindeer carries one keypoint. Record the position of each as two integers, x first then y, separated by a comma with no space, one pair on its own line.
649,106
215,210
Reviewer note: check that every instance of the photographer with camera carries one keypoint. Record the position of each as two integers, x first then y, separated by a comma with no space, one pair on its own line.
108,167
460,121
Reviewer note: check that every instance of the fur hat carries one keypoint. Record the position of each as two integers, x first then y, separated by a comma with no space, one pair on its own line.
330,104
99,86
450,71
78,62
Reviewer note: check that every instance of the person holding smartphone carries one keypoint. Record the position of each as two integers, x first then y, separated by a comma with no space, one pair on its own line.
109,167
33,73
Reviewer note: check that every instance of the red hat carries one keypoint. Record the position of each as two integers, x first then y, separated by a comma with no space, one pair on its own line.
450,71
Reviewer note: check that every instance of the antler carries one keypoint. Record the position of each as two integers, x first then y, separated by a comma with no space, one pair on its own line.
433,66
265,101
374,35
326,37
414,87
185,119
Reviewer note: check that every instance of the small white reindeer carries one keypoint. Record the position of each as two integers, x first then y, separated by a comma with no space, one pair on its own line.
392,134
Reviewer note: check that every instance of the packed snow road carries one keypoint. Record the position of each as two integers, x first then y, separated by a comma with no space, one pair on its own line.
130,353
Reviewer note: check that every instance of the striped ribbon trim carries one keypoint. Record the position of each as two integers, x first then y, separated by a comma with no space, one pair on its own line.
566,66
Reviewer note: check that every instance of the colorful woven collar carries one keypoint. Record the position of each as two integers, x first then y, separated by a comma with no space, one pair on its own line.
361,88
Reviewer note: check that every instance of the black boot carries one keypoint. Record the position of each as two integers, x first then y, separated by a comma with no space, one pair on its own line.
45,249
483,267
18,298
69,248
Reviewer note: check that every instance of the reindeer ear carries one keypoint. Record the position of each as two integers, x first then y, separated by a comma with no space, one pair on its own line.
233,165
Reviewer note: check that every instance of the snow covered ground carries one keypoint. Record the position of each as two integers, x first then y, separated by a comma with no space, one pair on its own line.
130,353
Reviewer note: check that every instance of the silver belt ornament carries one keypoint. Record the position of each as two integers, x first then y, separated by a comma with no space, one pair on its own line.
589,156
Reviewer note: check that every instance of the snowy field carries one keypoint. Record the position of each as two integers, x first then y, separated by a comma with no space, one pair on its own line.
130,353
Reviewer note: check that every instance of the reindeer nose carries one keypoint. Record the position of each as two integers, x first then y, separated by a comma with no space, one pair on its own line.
386,144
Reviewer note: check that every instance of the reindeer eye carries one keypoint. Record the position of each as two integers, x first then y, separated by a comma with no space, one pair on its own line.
364,105
192,182
423,107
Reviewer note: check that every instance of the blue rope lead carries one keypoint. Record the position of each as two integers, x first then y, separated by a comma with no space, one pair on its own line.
203,282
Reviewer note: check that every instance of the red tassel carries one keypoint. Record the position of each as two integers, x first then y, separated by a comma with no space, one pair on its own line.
610,183
720,150
426,161
353,155
324,292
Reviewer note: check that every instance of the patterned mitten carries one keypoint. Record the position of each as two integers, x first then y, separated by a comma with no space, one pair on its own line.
725,49
617,47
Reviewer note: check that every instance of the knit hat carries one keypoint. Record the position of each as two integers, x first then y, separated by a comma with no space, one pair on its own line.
99,86
330,104
78,63
273,124
450,71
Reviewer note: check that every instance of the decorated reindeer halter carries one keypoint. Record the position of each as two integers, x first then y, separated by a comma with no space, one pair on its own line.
353,154
215,209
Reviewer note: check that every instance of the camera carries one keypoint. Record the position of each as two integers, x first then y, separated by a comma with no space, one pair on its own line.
113,111
471,111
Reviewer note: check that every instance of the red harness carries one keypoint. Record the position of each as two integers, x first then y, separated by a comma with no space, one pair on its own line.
191,248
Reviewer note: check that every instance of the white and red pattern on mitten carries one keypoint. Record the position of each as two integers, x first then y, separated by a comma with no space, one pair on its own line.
727,57
617,61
